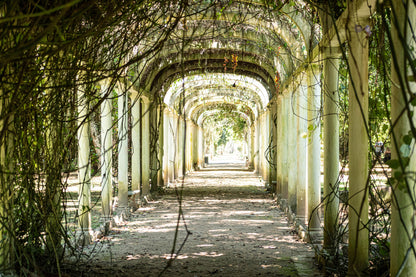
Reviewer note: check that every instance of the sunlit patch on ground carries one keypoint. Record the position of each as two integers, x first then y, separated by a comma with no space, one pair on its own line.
235,230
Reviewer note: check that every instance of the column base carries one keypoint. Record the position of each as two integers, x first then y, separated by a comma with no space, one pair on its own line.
121,214
83,237
107,223
315,235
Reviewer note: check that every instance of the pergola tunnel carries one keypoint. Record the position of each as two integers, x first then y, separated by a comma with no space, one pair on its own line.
106,107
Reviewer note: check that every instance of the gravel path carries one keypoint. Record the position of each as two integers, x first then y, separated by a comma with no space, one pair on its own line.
234,229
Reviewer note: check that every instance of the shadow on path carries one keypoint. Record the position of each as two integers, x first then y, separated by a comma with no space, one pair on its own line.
236,230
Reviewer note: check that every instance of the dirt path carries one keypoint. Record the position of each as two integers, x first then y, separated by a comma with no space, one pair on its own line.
235,230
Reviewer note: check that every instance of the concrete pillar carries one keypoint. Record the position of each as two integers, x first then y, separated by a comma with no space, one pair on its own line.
84,171
258,145
145,150
123,155
195,147
403,222
175,150
172,146
161,148
255,146
188,146
331,148
302,153
262,145
273,145
166,146
201,147
181,147
251,144
135,144
106,154
284,148
279,145
314,148
154,145
358,145
266,144
292,150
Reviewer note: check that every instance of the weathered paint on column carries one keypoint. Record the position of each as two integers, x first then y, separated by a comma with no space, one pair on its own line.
175,149
107,153
135,144
331,148
256,146
266,144
358,146
145,149
292,150
263,143
188,146
84,171
279,146
302,153
284,148
195,148
403,222
201,146
314,148
180,153
166,146
161,148
123,155
251,144
154,146
273,145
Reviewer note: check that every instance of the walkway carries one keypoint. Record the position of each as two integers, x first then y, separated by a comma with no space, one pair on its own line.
236,230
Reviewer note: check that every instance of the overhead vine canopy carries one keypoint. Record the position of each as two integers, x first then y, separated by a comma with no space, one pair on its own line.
52,49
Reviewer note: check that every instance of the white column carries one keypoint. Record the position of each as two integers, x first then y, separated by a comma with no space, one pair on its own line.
273,146
279,146
292,151
314,148
181,148
403,221
251,145
195,148
188,146
331,148
302,169
358,146
284,148
135,143
175,143
266,140
145,191
123,155
107,153
84,171
166,146
257,145
254,142
201,146
261,142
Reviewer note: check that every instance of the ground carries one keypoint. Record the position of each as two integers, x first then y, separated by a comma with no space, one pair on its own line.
234,227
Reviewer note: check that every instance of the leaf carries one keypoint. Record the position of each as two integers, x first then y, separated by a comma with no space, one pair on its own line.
405,150
394,164
398,175
407,139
